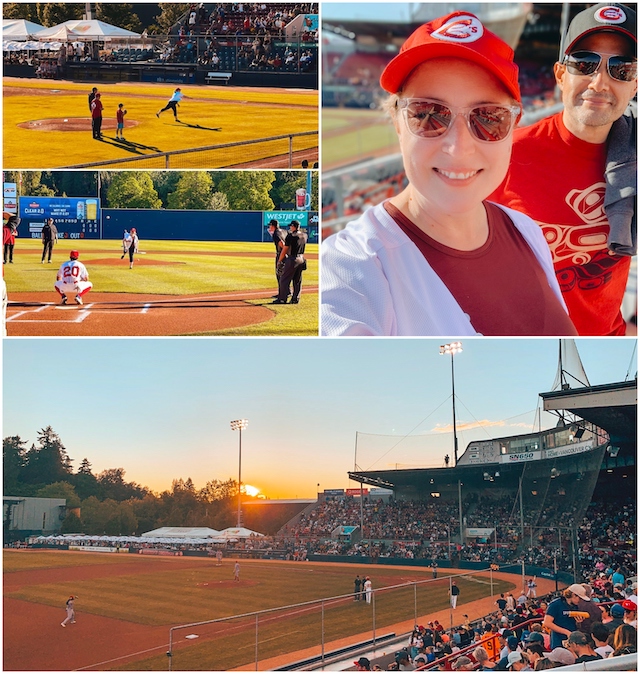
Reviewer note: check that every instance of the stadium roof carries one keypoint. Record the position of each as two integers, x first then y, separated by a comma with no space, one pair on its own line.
93,29
612,407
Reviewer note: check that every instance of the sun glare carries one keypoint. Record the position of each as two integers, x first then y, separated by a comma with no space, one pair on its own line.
251,491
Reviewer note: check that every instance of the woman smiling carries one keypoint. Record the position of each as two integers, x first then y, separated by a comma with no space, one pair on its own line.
438,259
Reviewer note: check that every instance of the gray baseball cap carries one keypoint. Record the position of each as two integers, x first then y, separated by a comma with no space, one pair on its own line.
611,17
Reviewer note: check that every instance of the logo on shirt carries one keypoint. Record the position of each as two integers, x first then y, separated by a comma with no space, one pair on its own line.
461,29
610,14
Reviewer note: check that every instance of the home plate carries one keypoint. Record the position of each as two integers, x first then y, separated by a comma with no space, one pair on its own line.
192,636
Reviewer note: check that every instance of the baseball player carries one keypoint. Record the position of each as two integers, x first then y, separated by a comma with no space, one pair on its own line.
236,571
219,558
71,614
173,104
73,278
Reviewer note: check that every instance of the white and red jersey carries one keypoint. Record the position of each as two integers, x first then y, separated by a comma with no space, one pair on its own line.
72,271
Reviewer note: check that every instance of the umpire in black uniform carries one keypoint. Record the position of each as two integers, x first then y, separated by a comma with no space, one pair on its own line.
49,238
278,236
292,264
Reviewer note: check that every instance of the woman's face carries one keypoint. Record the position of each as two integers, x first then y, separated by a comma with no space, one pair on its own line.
453,172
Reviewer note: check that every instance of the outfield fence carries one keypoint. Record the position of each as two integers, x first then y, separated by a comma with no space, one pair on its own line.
278,152
236,641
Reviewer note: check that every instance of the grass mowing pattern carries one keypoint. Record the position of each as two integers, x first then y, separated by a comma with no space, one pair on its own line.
172,595
354,135
192,271
225,115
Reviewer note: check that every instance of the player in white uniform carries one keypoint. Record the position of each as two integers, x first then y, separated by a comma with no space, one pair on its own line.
73,278
71,613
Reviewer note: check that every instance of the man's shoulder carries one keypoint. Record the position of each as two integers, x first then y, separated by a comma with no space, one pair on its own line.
542,129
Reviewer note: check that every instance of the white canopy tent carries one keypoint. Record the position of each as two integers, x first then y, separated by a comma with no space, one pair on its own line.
19,29
89,30
182,533
235,532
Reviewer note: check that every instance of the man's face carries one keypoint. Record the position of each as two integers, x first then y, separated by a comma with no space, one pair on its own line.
596,100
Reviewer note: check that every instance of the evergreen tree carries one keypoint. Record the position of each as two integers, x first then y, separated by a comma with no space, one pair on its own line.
21,10
14,452
85,482
48,461
53,13
170,14
119,14
60,490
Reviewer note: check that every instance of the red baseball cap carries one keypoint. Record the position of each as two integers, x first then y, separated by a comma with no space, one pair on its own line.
629,605
459,35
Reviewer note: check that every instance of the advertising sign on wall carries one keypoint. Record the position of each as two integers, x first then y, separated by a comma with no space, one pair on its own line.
75,218
10,198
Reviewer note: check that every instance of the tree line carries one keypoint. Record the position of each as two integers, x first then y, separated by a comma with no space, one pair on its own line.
196,190
157,18
106,504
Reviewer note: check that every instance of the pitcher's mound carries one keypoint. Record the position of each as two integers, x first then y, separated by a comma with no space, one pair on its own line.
72,124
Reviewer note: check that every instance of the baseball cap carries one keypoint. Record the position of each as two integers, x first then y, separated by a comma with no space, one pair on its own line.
515,656
535,637
562,656
74,255
629,605
363,662
617,611
579,590
611,17
459,35
579,638
512,643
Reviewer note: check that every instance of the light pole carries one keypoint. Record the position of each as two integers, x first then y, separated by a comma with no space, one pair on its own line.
238,425
453,348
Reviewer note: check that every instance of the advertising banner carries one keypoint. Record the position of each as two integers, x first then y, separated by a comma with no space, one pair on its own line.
75,218
10,198
308,220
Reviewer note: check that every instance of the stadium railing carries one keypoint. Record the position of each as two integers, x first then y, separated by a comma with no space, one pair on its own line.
271,152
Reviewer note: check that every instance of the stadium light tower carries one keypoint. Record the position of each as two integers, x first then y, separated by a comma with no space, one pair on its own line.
239,425
453,348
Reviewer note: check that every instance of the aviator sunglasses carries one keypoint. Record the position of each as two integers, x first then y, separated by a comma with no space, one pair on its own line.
430,119
585,63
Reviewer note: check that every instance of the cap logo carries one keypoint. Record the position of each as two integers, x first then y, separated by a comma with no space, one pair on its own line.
610,14
461,29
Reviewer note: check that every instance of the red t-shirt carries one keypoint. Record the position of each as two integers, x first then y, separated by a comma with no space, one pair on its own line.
120,116
558,180
96,108
501,285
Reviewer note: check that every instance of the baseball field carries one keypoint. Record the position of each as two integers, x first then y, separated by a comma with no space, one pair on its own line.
353,134
126,604
175,288
47,124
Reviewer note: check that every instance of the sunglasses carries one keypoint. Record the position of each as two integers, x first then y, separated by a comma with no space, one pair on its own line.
429,119
586,63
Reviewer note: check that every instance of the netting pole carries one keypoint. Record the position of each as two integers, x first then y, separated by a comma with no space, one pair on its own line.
491,578
373,597
256,642
290,151
166,160
415,603
322,630
170,651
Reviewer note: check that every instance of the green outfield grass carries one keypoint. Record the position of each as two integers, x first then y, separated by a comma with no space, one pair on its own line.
193,269
211,115
351,135
173,596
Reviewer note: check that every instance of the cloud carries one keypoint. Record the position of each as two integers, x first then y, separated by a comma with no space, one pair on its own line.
466,426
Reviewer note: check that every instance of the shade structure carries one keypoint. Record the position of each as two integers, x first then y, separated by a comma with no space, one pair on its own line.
90,30
182,532
19,29
238,532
